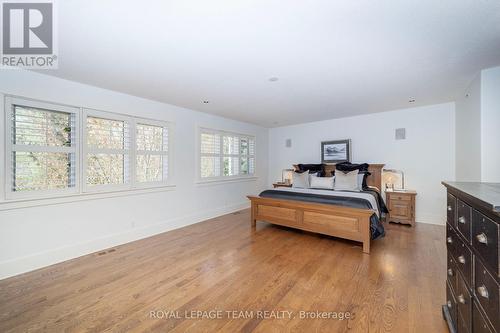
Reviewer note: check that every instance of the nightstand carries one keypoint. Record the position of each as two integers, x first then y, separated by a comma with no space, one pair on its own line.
275,185
401,205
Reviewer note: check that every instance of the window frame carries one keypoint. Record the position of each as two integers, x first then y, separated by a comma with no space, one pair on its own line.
168,153
221,155
86,188
80,149
10,147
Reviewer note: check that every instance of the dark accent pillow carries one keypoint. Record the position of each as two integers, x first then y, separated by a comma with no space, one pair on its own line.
312,168
348,166
366,174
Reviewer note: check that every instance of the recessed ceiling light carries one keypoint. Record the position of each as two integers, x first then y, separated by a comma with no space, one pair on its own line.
206,102
273,79
411,100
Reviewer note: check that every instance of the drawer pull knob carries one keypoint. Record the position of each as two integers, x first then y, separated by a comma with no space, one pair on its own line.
461,259
481,238
449,208
450,272
449,304
461,219
449,240
461,299
483,291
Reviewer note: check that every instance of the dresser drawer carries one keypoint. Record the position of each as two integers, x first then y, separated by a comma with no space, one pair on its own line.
451,303
464,303
487,292
462,326
485,240
479,324
463,258
451,207
451,239
464,217
452,272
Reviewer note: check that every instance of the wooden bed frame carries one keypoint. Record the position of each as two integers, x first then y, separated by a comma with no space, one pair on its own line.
343,222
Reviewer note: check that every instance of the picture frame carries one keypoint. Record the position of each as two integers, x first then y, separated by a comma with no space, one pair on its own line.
336,151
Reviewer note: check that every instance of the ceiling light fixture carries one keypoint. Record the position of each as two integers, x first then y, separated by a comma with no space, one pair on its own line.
273,79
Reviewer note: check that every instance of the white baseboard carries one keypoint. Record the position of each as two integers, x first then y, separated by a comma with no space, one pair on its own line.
53,256
431,219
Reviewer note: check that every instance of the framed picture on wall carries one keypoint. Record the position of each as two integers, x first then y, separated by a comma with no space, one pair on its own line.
336,151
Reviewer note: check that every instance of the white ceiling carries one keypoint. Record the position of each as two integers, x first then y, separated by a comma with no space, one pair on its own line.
332,58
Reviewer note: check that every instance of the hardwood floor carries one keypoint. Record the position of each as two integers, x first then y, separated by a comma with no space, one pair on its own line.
222,264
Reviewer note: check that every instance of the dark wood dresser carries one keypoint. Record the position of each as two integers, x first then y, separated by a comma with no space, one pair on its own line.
473,275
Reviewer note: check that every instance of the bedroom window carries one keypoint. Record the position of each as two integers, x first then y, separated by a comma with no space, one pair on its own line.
225,155
42,148
50,152
151,152
106,151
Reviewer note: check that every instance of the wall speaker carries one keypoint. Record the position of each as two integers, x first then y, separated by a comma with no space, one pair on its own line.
400,133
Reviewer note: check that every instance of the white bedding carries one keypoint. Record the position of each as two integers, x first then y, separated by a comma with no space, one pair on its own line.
367,196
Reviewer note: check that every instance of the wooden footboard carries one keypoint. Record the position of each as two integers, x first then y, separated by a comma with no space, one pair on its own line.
343,222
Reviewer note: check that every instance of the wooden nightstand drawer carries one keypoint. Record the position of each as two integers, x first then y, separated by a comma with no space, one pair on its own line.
400,197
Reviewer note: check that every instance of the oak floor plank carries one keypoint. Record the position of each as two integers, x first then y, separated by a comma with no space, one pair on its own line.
224,264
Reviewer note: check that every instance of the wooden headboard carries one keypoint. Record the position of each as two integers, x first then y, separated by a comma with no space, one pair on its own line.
375,179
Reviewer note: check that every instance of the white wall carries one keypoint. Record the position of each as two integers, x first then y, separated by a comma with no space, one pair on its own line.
32,237
468,129
427,156
490,125
477,129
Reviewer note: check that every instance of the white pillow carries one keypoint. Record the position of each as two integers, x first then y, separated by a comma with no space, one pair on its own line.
300,180
322,182
346,181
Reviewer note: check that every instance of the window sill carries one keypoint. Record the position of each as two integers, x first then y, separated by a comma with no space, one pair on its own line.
11,204
219,181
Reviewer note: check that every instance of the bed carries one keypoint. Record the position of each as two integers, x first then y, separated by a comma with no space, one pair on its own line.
345,215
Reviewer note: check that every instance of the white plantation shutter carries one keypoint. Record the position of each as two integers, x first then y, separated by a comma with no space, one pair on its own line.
43,143
210,154
224,154
251,156
42,147
231,144
151,152
107,150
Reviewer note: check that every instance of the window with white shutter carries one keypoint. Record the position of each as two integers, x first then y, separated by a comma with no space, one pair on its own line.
106,151
151,152
225,155
46,143
42,148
